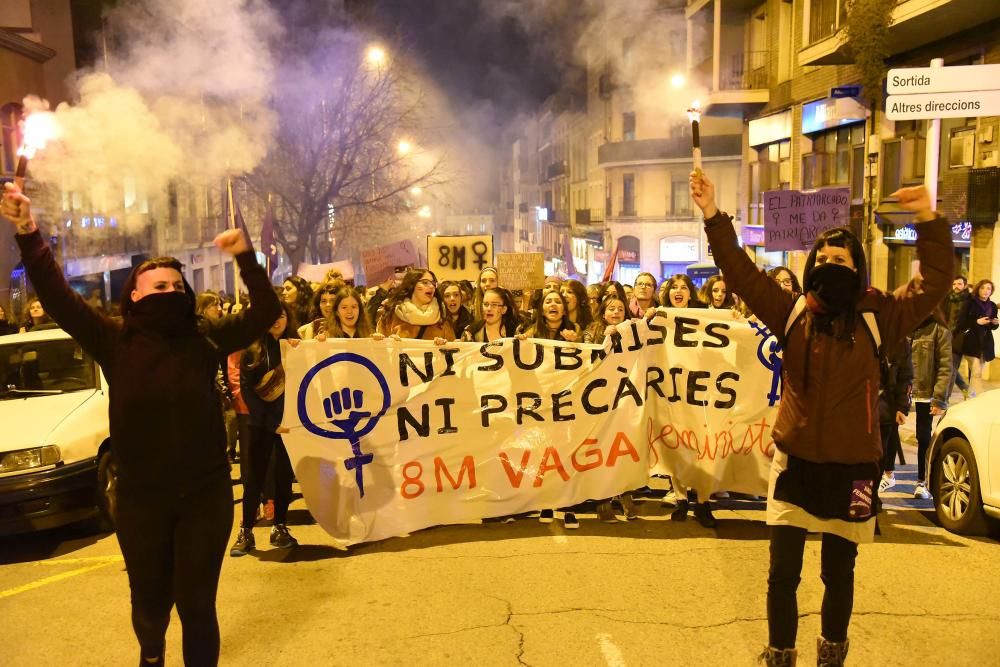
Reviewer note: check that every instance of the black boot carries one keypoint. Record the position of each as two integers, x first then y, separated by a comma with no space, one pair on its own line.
681,513
244,543
778,657
281,538
831,654
703,513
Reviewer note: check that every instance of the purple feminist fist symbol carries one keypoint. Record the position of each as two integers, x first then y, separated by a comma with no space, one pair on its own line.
340,403
343,410
768,354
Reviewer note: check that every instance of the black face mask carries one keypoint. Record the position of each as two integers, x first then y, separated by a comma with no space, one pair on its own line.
169,314
834,287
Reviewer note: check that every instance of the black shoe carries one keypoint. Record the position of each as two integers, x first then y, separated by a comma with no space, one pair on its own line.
546,516
570,521
681,513
244,543
281,538
151,661
703,513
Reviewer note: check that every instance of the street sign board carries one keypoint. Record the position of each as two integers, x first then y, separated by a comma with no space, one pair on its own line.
845,91
967,104
913,80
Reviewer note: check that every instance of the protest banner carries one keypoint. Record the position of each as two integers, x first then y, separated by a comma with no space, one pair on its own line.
388,437
378,263
793,219
459,257
521,270
316,273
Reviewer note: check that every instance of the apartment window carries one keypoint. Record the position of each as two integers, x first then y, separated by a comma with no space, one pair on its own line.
628,126
837,158
962,148
903,158
628,194
825,17
771,171
680,199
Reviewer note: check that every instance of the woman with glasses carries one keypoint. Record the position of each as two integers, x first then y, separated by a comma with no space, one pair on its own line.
497,319
415,310
786,279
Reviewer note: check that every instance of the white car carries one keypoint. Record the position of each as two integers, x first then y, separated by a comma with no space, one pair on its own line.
964,465
55,451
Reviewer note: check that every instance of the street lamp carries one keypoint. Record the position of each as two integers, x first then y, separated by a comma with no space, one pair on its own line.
416,190
424,212
404,147
375,55
677,80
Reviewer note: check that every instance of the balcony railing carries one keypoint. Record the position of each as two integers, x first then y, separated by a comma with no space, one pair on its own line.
555,170
746,71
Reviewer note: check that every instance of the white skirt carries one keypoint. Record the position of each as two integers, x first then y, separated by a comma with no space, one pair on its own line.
782,513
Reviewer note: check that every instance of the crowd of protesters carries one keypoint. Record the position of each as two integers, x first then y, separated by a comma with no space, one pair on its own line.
930,345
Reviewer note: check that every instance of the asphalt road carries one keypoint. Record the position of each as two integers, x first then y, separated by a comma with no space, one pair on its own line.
646,592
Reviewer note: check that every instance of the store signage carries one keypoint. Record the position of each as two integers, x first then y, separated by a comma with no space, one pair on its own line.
961,234
628,249
826,113
769,129
753,235
678,249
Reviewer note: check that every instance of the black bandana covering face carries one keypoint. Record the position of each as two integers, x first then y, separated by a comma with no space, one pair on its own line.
834,287
169,314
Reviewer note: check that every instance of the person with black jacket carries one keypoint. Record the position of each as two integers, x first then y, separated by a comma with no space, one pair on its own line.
174,494
262,379
895,381
974,333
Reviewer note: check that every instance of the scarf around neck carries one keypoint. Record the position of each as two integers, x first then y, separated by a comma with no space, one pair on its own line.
411,313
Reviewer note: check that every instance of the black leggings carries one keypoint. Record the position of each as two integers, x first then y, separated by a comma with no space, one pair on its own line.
173,547
890,445
262,444
837,572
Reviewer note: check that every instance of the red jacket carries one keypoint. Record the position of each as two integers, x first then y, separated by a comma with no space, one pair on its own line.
831,415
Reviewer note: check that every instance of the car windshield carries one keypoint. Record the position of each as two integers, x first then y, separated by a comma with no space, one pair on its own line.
45,367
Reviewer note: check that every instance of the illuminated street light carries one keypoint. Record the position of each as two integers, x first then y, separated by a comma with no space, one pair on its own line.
375,55
678,80
404,147
424,212
416,190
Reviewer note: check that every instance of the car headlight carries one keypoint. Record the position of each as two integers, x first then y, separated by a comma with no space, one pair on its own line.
25,459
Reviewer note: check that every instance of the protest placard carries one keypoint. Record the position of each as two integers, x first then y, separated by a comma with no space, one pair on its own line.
459,257
379,263
316,273
521,270
793,219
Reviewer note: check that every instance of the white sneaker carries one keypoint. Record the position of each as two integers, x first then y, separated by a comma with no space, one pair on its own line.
888,481
921,492
669,499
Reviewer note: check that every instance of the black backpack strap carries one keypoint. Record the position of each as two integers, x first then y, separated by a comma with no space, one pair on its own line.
421,331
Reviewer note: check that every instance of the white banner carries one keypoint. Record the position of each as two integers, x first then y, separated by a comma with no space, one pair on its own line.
389,437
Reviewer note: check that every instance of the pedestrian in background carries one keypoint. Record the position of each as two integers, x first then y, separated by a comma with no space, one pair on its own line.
976,326
895,380
958,299
826,465
262,379
174,494
930,345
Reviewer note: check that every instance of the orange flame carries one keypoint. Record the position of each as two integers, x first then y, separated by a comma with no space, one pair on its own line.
40,128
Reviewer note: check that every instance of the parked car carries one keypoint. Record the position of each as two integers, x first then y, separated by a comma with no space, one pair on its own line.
964,465
55,452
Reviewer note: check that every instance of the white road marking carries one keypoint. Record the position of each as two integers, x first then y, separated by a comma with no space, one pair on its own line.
612,654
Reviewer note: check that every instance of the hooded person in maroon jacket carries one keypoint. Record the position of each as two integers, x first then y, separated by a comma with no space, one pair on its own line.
825,471
174,502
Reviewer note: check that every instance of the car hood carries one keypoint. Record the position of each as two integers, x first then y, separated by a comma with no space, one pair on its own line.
31,419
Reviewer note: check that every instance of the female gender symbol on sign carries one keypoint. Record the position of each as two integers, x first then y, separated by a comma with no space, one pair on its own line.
453,257
343,409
